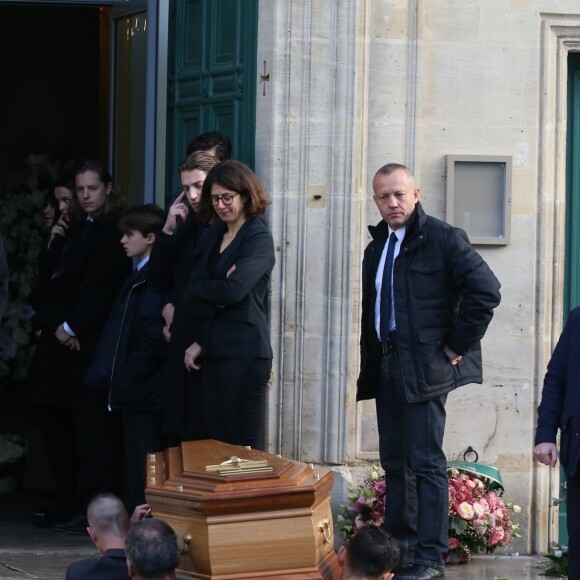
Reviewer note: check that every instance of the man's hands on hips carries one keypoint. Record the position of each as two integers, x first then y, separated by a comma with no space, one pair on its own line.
546,453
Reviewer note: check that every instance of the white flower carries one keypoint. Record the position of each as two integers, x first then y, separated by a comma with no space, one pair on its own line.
516,508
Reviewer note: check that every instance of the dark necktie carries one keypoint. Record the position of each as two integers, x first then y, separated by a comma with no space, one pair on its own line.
386,290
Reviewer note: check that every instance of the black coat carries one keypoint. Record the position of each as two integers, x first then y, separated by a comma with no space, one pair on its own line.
94,267
444,294
170,265
230,312
130,360
560,406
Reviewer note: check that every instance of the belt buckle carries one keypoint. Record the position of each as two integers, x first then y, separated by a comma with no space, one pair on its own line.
387,347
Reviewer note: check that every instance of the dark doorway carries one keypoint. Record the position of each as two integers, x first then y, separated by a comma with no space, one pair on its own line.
51,100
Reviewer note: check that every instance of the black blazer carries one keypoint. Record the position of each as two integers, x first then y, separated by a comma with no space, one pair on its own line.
112,565
95,266
230,312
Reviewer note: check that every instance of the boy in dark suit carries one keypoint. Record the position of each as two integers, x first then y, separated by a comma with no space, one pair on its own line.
130,360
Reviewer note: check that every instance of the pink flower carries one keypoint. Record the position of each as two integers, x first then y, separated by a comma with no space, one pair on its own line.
453,543
478,509
465,510
496,536
380,487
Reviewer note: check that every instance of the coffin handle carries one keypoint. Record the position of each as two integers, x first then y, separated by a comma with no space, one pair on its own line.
186,544
326,529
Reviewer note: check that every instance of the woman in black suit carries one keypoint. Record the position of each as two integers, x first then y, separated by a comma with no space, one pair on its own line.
226,296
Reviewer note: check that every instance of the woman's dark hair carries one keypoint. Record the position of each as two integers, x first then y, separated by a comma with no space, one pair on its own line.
114,204
50,200
237,177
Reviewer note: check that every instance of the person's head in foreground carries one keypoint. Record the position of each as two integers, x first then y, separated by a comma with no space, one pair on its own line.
151,549
371,554
108,521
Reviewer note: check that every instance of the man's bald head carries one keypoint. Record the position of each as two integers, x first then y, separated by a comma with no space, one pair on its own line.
107,516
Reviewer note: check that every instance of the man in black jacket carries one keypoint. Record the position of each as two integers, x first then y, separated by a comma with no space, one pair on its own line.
560,410
427,300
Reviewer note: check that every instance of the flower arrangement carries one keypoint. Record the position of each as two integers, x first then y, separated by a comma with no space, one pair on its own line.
366,504
479,519
12,449
24,231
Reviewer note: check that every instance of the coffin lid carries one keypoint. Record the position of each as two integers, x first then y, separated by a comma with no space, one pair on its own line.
183,469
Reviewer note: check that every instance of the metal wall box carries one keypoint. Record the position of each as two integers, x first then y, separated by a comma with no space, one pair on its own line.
479,197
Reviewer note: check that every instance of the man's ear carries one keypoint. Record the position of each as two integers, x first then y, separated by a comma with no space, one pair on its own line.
129,569
150,239
92,534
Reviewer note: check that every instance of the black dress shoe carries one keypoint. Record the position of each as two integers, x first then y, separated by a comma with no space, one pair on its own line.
42,519
420,573
77,526
402,568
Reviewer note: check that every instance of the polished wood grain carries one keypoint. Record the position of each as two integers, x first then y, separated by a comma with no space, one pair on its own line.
245,525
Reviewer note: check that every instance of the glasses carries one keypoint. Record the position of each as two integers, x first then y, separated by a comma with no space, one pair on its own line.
227,199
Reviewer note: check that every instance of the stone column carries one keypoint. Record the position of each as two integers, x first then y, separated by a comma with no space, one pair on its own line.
309,154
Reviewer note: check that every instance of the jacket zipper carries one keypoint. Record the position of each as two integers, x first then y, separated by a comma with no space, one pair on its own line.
119,341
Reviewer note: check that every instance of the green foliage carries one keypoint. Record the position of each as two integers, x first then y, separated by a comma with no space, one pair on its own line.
559,562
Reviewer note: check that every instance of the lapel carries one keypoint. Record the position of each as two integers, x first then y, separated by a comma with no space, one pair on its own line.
212,237
80,247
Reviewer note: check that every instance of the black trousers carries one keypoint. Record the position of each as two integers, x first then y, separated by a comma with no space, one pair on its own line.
99,440
234,394
56,427
411,451
143,434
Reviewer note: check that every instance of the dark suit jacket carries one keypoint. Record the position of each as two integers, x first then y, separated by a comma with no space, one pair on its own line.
112,565
95,266
560,406
170,265
230,311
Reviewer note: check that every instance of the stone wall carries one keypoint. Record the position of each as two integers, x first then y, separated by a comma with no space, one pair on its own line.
356,84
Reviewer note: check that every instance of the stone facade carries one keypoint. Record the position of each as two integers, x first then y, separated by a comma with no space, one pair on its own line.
355,84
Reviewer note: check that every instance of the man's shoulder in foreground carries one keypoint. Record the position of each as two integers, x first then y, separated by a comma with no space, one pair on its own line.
112,565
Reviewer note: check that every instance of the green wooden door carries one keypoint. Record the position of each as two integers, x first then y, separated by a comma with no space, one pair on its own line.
211,77
572,267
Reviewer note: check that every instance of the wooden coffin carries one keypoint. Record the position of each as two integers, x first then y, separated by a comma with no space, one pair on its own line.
233,523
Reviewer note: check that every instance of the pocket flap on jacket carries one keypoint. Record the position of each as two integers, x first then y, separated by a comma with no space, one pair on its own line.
433,337
427,266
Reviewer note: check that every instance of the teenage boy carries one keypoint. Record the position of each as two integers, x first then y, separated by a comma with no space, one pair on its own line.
130,361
